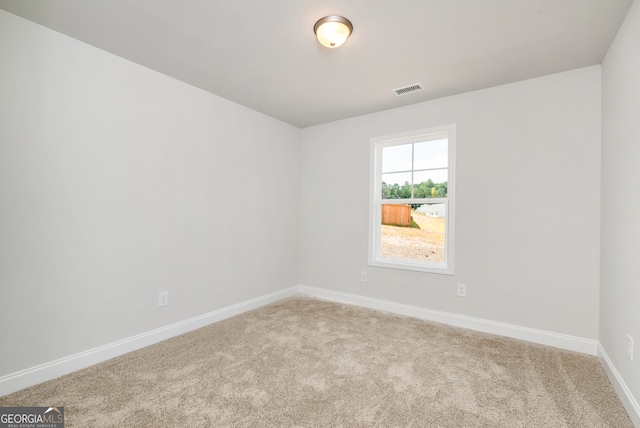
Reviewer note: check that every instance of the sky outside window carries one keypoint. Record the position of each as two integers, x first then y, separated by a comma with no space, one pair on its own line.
397,160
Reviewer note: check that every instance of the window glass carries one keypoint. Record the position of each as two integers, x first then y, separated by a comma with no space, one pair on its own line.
431,154
396,158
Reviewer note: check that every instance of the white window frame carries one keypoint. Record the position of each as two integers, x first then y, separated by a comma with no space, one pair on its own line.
375,198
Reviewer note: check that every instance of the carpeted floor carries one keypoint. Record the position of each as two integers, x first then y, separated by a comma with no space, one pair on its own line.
310,363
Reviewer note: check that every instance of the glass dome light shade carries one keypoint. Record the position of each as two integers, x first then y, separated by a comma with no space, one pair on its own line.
332,31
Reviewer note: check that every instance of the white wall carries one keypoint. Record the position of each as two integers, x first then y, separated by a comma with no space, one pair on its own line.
117,182
528,204
620,249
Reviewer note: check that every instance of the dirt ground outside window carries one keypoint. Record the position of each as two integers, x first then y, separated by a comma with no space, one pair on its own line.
407,243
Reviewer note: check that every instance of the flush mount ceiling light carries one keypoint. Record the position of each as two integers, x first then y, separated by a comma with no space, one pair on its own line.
332,31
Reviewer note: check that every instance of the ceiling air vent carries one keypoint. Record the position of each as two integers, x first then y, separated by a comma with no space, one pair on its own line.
416,87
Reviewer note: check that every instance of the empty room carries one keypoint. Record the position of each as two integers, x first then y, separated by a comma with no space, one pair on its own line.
320,213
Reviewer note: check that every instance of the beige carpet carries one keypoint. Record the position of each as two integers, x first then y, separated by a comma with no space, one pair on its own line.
310,363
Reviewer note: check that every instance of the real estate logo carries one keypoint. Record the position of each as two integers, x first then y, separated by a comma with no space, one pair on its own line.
31,417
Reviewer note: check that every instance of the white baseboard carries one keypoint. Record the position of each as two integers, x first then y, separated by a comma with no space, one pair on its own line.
628,400
51,370
558,340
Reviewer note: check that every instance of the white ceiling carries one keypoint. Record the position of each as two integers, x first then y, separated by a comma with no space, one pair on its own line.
263,54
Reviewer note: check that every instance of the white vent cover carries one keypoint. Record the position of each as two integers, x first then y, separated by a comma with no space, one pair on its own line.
416,87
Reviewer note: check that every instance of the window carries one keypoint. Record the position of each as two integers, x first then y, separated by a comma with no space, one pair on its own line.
412,200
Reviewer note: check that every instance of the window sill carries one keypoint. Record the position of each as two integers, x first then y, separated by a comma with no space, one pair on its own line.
404,265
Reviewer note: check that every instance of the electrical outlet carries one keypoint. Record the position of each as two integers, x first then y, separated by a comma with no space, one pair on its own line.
630,347
163,298
462,290
363,276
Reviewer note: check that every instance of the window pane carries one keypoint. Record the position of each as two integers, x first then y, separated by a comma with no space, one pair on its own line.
422,240
430,184
396,158
396,185
431,154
